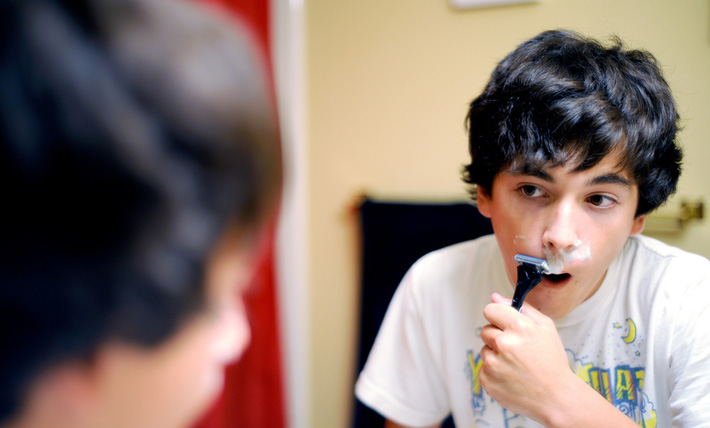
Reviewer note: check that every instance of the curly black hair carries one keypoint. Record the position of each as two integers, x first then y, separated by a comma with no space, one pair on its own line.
563,98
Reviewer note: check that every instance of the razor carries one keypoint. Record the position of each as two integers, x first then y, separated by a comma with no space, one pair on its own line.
530,271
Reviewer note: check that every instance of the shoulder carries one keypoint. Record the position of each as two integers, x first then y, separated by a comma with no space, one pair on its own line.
652,254
457,256
463,249
655,270
454,272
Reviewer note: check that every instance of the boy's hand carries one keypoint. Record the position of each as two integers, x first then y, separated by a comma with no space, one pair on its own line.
525,366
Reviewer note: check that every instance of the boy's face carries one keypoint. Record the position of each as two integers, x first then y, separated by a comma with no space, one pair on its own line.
577,220
171,385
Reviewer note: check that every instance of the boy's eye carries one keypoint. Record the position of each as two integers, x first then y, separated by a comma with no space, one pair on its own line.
531,191
601,201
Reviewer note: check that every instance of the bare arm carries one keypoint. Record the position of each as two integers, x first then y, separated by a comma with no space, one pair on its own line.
390,424
581,406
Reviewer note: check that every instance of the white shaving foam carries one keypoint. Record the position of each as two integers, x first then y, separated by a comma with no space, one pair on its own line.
556,260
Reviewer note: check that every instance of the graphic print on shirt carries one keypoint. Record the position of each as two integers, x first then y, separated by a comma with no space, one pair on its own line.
620,381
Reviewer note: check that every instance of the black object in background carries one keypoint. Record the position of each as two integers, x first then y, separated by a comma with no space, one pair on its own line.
394,236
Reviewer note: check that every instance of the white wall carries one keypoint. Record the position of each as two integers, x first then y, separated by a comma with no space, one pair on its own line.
386,88
292,248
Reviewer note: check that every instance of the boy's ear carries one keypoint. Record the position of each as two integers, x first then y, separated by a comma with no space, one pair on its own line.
638,224
483,201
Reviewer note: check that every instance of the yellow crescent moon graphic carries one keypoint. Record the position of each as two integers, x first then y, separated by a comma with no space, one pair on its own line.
631,336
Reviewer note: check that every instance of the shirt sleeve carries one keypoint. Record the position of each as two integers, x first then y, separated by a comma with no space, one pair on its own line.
400,379
689,371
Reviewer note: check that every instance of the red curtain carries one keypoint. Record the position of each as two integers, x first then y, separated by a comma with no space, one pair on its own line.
253,396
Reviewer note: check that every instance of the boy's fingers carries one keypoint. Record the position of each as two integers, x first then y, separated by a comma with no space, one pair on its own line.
489,334
499,314
497,298
500,311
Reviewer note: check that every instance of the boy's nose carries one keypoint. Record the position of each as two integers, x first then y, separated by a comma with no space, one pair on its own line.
233,336
561,229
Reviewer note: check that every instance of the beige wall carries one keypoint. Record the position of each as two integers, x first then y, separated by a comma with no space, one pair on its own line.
388,83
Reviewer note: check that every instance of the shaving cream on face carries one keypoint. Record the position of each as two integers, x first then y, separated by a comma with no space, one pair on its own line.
557,259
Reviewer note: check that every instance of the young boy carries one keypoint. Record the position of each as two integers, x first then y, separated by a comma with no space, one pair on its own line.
140,168
572,143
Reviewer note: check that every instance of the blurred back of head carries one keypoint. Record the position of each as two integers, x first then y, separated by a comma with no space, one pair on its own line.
132,134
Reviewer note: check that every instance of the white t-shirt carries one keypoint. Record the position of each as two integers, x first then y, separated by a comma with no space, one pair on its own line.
642,340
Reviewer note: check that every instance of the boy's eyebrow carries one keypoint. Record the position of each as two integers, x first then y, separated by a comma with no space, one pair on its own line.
610,179
532,171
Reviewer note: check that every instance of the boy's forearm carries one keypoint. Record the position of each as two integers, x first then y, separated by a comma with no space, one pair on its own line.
580,406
